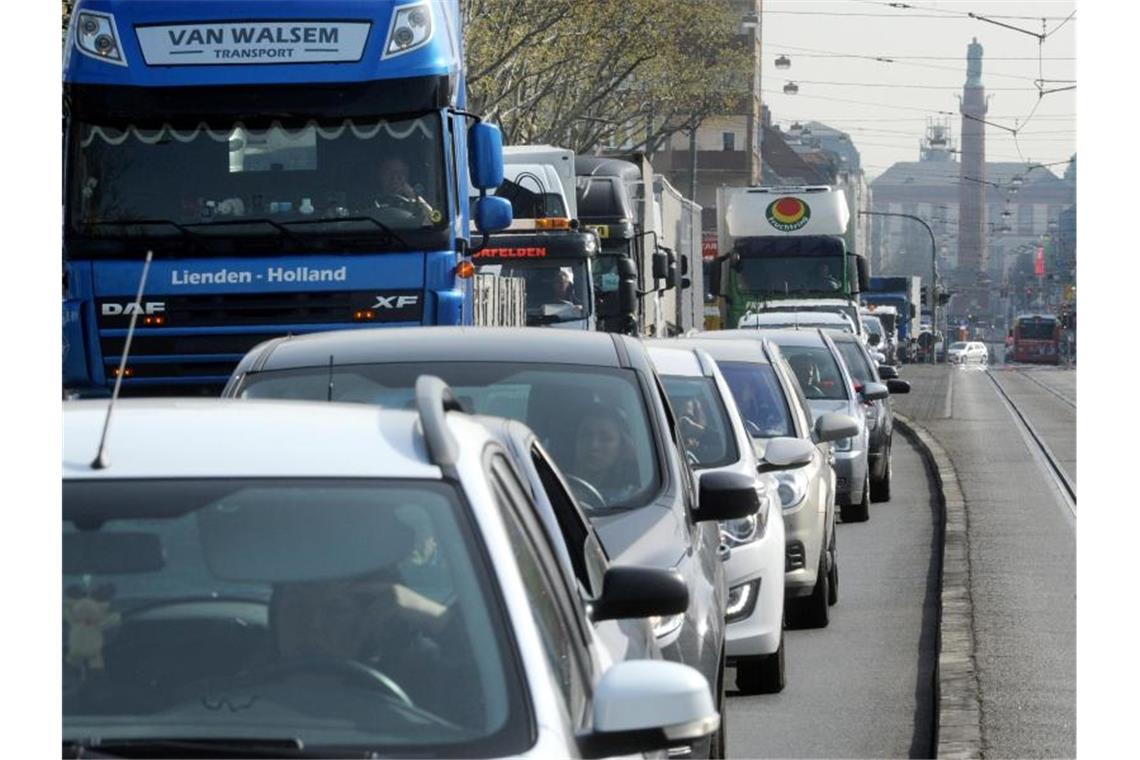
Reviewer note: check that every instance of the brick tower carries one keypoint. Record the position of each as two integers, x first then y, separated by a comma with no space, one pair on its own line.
972,251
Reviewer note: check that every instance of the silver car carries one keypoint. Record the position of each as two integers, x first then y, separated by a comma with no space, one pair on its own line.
773,407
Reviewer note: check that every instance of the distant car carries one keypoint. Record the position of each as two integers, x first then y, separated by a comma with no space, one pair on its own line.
276,579
597,407
879,416
774,408
754,546
968,352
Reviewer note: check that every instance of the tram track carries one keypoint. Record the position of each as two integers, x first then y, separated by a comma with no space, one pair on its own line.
1029,375
1036,443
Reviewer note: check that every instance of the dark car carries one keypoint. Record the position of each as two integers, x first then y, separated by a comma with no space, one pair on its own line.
596,405
879,416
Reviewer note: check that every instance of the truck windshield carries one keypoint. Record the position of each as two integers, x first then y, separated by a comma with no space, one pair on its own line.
336,614
362,178
791,274
555,288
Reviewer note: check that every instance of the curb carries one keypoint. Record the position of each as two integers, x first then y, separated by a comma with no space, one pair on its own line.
958,718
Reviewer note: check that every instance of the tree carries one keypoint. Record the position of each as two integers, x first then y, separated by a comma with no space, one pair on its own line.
579,74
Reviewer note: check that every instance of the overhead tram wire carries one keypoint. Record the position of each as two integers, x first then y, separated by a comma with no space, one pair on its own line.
946,12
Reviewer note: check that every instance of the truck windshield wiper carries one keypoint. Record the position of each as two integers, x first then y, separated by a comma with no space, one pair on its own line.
241,221
376,222
284,746
186,231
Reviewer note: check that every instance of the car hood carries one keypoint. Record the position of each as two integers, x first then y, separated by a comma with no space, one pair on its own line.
653,535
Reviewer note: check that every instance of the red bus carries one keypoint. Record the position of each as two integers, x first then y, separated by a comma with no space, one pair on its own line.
1036,339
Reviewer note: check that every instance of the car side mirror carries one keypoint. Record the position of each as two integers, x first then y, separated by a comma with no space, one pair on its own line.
646,706
832,427
786,454
887,372
638,592
898,386
874,392
726,496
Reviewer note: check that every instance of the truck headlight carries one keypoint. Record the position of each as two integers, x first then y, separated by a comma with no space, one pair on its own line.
791,488
97,37
411,28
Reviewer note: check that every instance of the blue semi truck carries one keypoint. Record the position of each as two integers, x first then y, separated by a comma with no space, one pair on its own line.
293,166
905,294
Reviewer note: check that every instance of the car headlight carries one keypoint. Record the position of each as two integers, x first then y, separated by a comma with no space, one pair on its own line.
747,529
741,601
872,416
97,37
791,487
844,444
411,29
665,625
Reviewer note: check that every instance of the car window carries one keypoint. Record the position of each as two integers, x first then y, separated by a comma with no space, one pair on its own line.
575,531
703,419
183,593
758,397
957,346
817,372
593,420
550,604
857,364
801,412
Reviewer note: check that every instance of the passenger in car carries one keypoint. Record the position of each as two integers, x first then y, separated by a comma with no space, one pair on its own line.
603,455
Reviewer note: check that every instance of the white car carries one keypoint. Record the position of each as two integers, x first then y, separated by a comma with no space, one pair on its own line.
267,577
770,320
968,352
715,436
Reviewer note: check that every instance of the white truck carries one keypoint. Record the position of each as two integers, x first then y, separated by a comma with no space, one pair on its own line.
783,249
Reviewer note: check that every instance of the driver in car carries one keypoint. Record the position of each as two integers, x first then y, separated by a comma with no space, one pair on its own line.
397,193
563,286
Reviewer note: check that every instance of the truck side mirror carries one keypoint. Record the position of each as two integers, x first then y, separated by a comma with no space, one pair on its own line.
670,270
627,270
660,265
627,296
492,213
714,276
863,272
485,155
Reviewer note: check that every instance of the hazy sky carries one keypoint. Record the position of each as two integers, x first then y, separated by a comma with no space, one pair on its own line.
885,106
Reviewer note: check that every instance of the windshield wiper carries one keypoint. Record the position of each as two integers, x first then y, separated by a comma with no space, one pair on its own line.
236,746
182,228
385,228
240,221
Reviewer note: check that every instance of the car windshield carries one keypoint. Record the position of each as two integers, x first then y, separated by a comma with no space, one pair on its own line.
759,398
592,420
256,179
873,326
702,419
555,288
957,346
856,362
817,371
336,612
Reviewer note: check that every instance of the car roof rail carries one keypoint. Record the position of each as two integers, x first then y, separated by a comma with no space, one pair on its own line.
434,398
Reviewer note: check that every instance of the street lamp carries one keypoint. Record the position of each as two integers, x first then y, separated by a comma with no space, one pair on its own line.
933,268
791,88
783,62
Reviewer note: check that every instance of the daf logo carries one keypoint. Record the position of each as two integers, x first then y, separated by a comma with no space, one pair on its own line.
127,309
395,302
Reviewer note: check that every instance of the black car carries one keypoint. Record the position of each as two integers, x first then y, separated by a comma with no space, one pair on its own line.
597,406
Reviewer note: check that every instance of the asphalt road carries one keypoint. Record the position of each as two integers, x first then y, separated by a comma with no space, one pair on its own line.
1022,549
863,686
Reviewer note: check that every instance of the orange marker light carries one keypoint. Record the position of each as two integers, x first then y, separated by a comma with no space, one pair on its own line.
464,269
552,223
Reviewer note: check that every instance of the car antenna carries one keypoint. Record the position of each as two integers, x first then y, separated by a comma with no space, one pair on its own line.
100,461
330,377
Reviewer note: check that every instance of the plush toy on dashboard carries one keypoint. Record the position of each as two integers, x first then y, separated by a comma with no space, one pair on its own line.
87,612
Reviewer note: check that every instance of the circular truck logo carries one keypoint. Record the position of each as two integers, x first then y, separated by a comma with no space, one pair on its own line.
788,214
